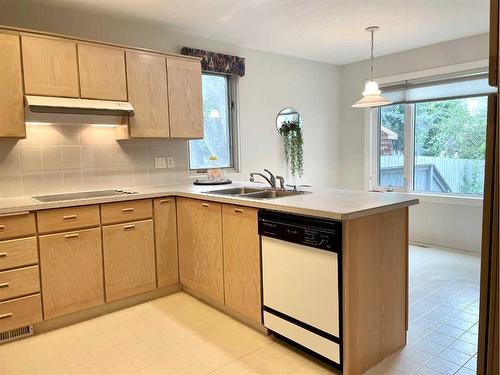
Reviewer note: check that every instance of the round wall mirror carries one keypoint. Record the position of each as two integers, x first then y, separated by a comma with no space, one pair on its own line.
287,115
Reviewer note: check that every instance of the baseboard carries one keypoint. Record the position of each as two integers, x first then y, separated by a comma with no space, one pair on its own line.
228,311
444,248
66,320
80,316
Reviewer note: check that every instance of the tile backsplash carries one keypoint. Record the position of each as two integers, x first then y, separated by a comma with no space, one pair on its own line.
63,158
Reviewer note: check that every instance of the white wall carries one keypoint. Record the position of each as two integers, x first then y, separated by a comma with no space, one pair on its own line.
322,93
271,83
456,226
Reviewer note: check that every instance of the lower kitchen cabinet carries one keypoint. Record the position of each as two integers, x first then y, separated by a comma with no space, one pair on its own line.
19,312
129,259
242,261
71,271
200,247
19,282
165,221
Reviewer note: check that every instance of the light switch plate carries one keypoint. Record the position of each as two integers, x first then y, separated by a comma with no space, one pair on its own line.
160,163
170,162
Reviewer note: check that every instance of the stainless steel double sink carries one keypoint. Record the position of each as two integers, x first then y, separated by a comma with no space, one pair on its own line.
256,193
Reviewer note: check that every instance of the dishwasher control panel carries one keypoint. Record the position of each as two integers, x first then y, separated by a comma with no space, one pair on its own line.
302,230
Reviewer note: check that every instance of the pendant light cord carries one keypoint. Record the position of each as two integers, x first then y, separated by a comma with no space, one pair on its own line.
371,70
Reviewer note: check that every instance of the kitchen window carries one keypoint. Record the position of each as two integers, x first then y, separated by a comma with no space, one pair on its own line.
433,138
219,117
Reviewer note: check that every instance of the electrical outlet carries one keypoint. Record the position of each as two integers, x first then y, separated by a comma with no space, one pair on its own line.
160,163
170,162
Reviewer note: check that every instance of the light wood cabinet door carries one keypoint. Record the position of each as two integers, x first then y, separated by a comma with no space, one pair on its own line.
11,92
165,220
242,261
102,72
129,259
71,271
200,247
185,99
147,92
50,67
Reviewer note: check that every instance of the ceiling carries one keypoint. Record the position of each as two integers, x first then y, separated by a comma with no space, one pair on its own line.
323,30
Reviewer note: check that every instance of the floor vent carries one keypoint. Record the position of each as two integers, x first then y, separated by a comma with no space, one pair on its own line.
15,334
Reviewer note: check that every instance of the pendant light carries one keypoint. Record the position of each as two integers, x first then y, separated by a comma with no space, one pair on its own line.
371,96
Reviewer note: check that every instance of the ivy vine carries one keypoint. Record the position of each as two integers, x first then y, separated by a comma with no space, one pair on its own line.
293,146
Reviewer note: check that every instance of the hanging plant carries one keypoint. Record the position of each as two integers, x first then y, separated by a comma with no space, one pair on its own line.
293,145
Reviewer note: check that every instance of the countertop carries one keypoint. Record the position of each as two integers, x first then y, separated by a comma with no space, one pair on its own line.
326,203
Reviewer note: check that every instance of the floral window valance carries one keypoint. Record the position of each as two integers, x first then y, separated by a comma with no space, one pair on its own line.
218,62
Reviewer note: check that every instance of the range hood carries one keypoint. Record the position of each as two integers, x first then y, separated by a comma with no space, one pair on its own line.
51,104
70,111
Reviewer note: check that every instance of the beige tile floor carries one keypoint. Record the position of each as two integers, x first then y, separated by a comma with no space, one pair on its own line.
444,308
180,335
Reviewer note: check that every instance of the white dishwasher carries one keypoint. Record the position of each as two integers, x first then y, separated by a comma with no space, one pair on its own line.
301,277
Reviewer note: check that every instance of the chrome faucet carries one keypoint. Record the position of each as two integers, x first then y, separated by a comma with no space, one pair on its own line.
271,180
282,182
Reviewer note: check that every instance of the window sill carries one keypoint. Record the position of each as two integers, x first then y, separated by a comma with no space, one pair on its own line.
195,175
448,199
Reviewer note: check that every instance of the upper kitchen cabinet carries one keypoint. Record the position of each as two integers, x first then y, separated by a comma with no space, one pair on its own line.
11,94
102,72
147,91
185,100
50,66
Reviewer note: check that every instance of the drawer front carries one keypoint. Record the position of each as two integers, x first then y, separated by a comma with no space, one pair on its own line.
19,282
18,253
18,225
20,312
233,211
63,219
120,212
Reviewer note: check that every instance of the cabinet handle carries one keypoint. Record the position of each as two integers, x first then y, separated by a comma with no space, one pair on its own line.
69,217
3,255
205,205
127,210
127,227
4,285
16,214
72,235
5,316
238,210
2,227
163,201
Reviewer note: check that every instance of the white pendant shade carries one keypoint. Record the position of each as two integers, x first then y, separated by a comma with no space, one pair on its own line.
371,97
214,114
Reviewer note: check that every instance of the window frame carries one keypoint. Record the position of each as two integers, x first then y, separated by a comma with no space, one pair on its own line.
233,117
372,120
371,152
